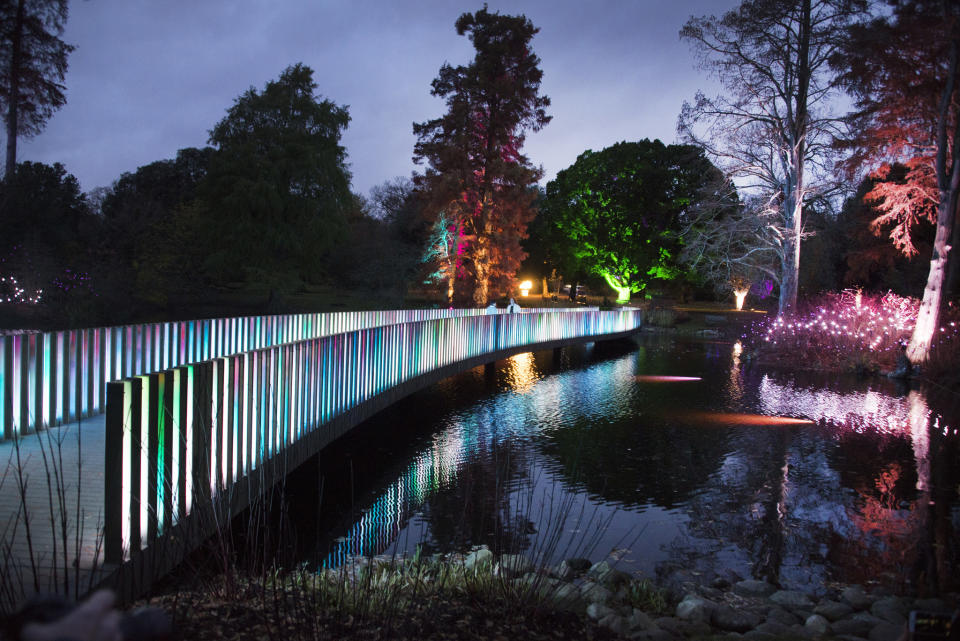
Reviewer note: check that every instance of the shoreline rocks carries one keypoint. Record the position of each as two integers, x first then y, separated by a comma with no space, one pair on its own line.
729,609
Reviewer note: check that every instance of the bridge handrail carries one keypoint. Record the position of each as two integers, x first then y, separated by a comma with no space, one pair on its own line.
191,432
57,377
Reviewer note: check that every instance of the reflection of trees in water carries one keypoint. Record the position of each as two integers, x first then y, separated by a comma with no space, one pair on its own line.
637,462
902,510
778,507
764,512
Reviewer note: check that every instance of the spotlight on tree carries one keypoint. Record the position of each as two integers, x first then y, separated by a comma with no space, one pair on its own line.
739,296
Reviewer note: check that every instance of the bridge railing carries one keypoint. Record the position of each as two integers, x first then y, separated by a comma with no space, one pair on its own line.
190,433
58,377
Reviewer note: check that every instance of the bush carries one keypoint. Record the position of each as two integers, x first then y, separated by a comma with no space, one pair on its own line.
854,332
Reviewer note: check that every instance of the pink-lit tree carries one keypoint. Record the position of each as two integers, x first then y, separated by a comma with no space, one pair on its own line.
905,71
475,172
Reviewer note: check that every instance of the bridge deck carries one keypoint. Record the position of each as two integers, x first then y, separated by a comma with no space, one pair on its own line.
44,549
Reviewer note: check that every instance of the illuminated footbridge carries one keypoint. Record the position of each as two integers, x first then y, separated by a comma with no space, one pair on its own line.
202,417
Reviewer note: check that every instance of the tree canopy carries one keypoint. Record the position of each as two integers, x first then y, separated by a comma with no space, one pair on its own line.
33,63
278,183
904,69
475,172
774,127
618,213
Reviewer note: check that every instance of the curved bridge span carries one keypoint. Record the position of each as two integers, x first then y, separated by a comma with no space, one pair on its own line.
195,444
181,449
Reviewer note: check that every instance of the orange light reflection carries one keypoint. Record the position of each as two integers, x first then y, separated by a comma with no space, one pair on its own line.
667,379
724,418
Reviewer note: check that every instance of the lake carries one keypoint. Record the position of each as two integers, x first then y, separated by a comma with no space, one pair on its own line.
665,454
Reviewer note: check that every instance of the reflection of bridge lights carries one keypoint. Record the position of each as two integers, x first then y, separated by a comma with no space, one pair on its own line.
522,372
379,525
666,379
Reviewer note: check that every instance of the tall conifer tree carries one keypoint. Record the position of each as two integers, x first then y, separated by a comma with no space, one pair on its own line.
475,171
33,63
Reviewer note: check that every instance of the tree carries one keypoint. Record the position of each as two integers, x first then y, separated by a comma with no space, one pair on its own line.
618,212
49,252
773,129
732,244
869,259
155,232
33,63
904,70
475,171
278,183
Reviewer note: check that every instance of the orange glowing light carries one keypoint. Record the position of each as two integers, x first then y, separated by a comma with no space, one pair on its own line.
667,379
725,418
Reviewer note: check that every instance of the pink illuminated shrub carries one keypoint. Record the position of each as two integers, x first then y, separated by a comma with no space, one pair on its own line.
850,331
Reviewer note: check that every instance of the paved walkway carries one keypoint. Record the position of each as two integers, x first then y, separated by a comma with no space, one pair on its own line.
51,512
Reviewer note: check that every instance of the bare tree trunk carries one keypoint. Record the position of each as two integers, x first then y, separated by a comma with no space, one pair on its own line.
948,180
929,315
952,288
790,272
12,108
482,270
481,256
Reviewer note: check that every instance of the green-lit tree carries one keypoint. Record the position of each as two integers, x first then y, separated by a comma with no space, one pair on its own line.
475,172
618,213
278,184
33,63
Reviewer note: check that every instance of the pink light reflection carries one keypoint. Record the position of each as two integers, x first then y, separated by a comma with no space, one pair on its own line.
666,379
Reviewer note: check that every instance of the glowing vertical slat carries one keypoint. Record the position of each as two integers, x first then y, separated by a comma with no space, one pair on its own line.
97,374
189,435
162,452
176,439
294,383
83,374
144,457
214,422
4,381
72,375
47,372
61,381
235,418
245,417
225,411
126,489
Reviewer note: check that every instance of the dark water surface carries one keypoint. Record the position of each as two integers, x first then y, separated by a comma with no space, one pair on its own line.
588,452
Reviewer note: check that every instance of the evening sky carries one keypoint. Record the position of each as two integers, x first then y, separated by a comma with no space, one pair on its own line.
149,77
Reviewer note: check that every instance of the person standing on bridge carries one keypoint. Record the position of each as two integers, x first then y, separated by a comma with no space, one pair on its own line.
512,307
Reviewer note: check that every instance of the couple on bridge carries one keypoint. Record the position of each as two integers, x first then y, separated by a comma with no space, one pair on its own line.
512,307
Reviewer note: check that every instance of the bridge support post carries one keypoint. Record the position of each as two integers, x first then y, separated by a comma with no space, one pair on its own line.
489,370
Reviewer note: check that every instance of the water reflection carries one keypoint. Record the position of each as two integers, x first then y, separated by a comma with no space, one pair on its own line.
521,372
797,479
